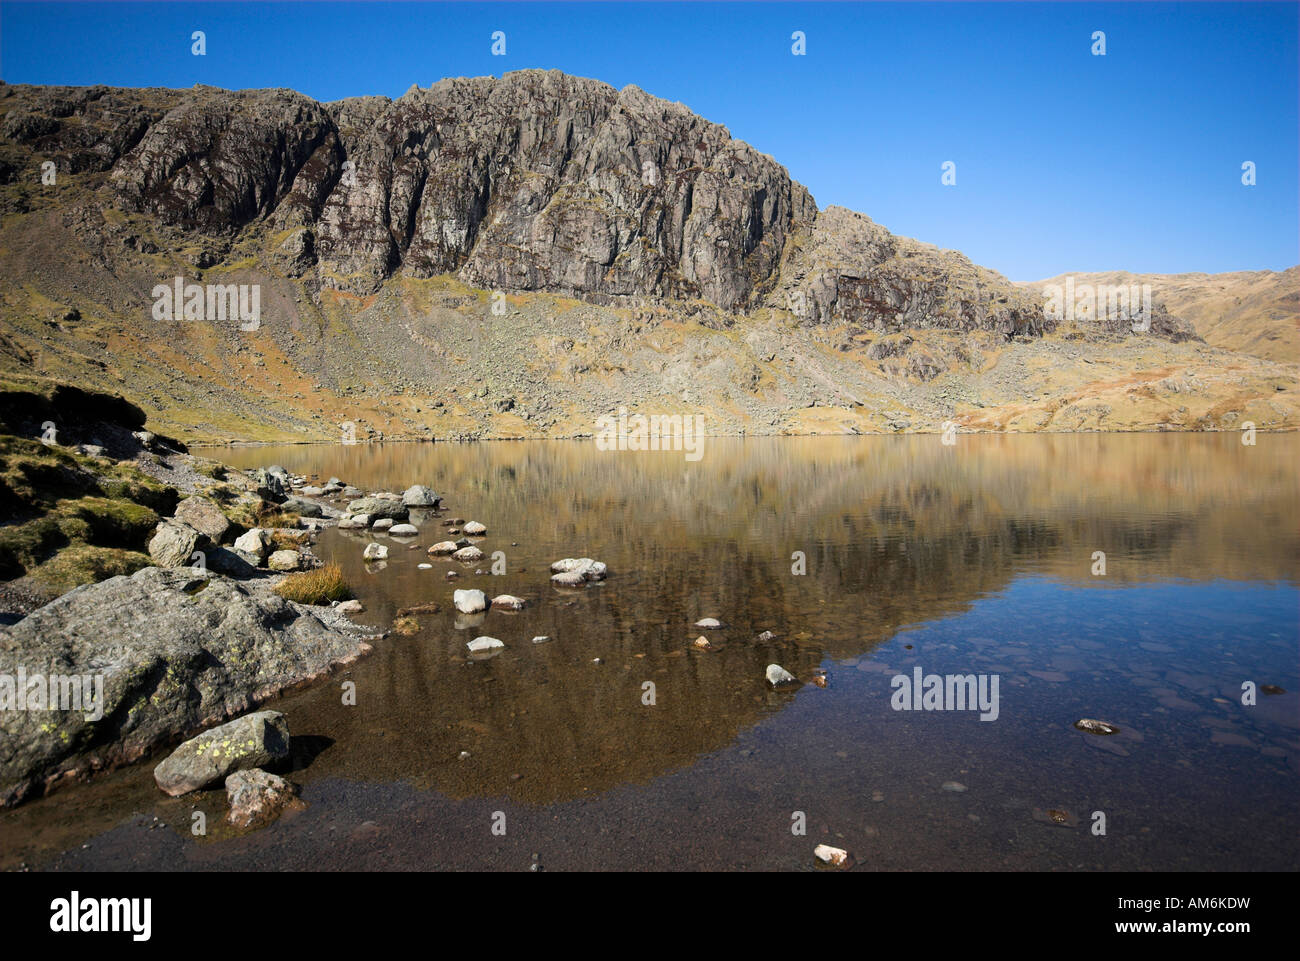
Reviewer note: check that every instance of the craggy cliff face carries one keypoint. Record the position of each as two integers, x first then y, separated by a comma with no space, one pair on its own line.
535,181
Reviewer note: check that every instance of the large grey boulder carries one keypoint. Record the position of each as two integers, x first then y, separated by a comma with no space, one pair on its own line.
204,516
173,652
257,542
174,542
303,507
255,740
377,507
420,496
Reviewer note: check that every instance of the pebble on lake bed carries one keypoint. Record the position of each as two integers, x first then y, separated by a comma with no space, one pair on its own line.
403,530
443,547
708,624
778,676
954,787
836,857
540,639
702,643
1095,727
474,527
375,552
350,607
508,602
481,644
468,554
765,636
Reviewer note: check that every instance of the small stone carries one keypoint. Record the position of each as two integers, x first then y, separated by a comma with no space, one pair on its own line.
482,645
509,602
702,643
403,530
836,857
474,527
708,624
350,607
540,639
424,567
1271,689
375,552
468,555
766,636
955,787
256,797
1095,727
383,524
443,547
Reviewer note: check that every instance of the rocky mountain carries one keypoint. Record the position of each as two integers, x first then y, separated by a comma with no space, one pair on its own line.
516,256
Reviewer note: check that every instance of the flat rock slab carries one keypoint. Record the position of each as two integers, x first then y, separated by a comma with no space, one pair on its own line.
173,651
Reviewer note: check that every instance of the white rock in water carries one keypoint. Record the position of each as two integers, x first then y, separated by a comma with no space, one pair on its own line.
469,601
509,602
778,675
403,530
443,547
571,571
474,527
468,554
424,567
350,607
481,644
375,552
383,524
702,643
835,856
540,639
708,623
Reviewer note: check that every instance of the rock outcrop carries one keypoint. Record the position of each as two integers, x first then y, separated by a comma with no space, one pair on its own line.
175,651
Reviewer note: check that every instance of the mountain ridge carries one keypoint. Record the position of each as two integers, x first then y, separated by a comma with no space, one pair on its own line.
607,246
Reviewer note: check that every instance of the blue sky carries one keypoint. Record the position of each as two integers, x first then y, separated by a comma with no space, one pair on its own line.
1065,161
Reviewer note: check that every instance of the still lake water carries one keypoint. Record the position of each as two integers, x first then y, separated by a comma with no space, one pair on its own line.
970,559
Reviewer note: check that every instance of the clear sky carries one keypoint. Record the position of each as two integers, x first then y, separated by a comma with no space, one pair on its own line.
1065,161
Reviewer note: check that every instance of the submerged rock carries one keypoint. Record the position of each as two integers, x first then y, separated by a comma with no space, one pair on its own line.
254,740
474,527
1095,727
509,602
444,547
375,552
484,645
403,530
256,798
778,676
708,624
468,554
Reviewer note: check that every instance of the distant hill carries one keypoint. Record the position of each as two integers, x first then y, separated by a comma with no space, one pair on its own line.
1252,311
